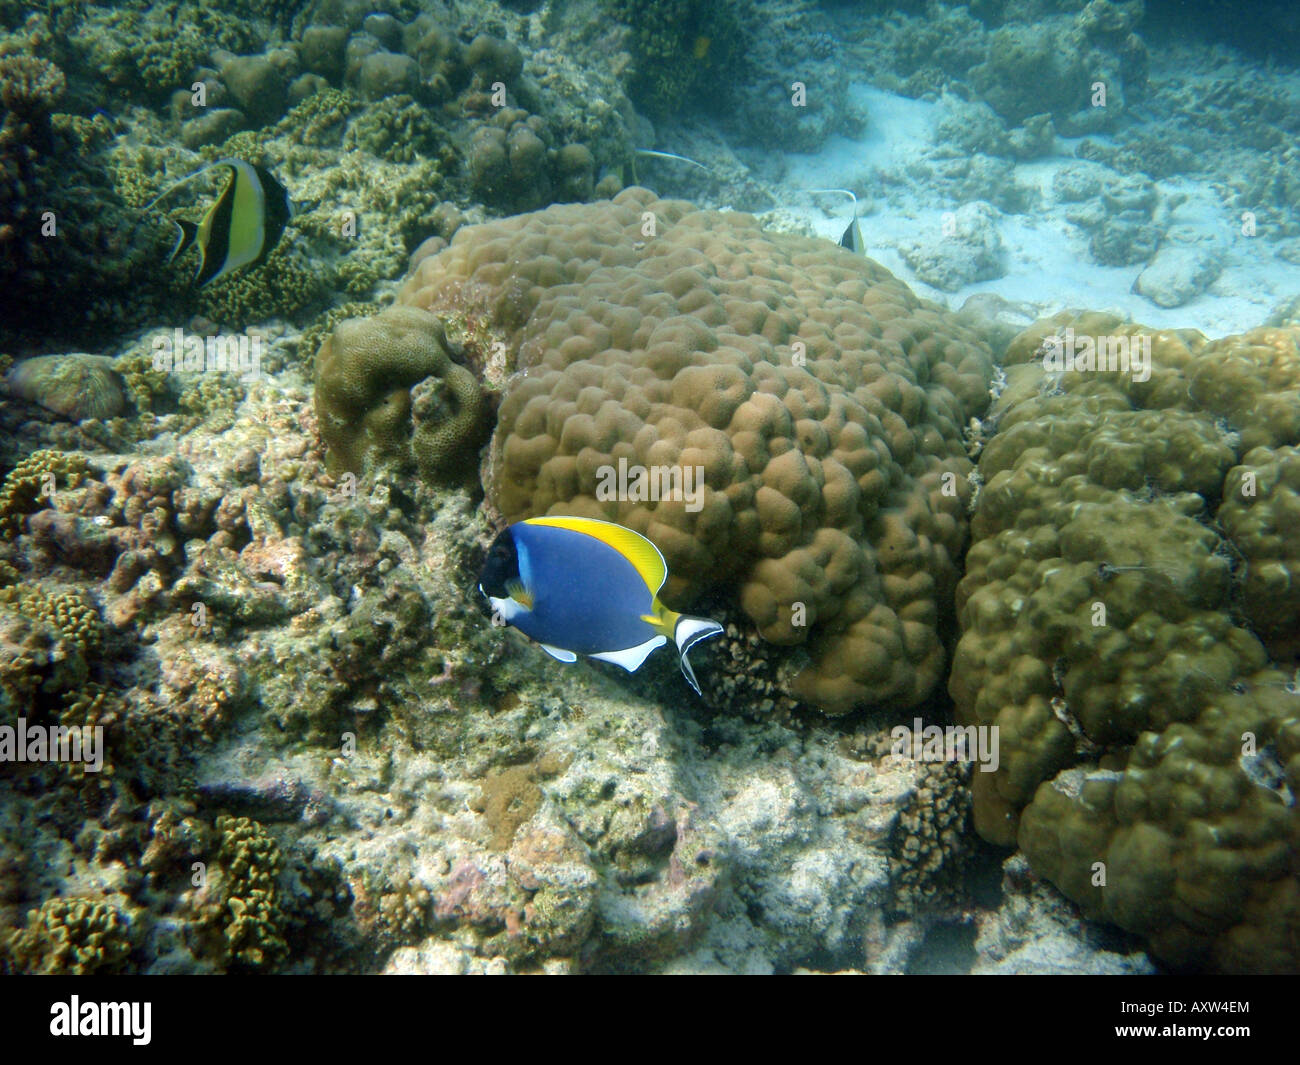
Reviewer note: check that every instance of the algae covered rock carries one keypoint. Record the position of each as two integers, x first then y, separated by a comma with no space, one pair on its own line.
387,389
972,252
1070,58
1178,274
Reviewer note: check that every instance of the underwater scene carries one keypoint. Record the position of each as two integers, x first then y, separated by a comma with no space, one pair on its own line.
649,486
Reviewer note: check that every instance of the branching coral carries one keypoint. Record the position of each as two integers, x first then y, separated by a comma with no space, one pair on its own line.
73,936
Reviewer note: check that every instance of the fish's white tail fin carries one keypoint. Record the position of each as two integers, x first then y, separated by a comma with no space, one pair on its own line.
687,633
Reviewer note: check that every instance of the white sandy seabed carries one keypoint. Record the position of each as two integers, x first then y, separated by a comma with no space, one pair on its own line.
1046,261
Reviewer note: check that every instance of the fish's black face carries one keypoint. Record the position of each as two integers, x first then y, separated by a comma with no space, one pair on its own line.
502,565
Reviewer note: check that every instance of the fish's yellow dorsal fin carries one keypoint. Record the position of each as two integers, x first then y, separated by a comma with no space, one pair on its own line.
631,545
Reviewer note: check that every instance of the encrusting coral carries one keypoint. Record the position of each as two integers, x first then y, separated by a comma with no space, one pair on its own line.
1123,569
819,400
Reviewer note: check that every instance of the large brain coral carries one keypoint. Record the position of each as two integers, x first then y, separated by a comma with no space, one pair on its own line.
387,385
822,402
1134,540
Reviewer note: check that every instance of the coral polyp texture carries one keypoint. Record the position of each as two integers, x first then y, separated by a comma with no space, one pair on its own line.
387,386
1132,561
818,401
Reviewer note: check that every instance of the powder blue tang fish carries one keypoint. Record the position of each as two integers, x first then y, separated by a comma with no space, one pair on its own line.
581,586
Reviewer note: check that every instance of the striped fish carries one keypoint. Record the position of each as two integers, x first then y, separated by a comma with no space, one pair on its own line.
852,238
243,225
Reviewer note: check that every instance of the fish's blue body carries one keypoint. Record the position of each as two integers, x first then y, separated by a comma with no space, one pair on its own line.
583,586
587,596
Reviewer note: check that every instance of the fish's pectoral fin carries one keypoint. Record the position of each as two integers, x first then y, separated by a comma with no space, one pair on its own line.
519,592
559,654
631,658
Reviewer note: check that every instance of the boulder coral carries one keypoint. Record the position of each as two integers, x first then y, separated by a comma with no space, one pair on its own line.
75,386
1133,542
821,401
387,386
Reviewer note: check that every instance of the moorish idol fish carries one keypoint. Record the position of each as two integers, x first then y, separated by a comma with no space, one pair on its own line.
852,238
582,586
243,225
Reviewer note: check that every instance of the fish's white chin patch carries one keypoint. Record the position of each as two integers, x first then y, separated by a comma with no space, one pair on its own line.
506,607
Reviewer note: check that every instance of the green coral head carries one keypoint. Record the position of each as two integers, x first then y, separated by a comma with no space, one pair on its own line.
388,390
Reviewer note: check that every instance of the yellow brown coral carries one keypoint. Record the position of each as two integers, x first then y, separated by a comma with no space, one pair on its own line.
1261,515
72,936
822,400
31,480
925,862
253,920
29,84
70,611
48,642
1149,748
